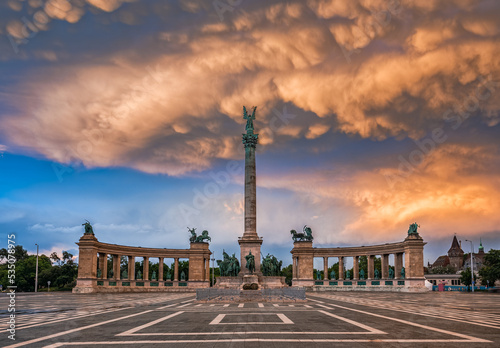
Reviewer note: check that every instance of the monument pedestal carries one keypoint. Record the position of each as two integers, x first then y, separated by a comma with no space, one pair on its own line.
248,245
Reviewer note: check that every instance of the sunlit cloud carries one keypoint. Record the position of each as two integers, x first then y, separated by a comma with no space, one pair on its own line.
361,70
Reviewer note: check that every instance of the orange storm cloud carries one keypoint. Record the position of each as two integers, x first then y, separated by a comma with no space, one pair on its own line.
369,69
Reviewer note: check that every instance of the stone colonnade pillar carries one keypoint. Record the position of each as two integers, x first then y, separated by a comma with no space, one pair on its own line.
355,267
325,268
371,273
103,265
160,269
385,266
176,269
131,268
341,268
116,267
145,268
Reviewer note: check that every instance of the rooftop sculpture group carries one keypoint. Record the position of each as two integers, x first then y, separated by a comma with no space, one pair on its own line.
198,239
306,235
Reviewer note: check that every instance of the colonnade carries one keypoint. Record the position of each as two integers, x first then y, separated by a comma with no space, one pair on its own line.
93,256
407,254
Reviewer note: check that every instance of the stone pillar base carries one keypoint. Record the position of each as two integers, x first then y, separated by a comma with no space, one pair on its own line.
302,282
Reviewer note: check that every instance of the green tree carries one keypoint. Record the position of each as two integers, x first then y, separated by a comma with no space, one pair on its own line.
287,272
465,277
19,253
25,269
491,267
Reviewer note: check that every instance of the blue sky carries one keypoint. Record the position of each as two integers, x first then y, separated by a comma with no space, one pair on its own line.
371,114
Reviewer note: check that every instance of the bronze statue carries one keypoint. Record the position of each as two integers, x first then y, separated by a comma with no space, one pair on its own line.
249,118
203,236
306,235
413,228
271,266
332,275
88,228
250,262
391,273
192,239
403,273
362,274
377,274
229,266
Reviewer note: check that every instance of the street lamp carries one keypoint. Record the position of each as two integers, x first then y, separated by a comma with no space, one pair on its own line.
471,263
213,271
36,271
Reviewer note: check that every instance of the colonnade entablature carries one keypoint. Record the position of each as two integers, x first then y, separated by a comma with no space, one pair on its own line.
407,273
93,267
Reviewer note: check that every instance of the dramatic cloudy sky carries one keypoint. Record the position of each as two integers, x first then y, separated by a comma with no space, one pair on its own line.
372,114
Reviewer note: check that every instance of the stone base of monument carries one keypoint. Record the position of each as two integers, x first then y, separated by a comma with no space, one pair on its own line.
215,295
264,282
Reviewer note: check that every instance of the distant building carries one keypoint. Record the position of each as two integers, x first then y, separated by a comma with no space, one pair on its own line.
477,257
455,257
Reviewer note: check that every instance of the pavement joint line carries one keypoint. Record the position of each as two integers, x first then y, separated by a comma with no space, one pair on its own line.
468,338
468,321
62,333
64,319
138,328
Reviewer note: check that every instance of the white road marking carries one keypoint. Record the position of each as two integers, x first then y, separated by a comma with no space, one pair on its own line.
217,319
276,305
241,305
355,323
284,318
468,338
170,305
138,328
74,330
184,305
226,305
261,305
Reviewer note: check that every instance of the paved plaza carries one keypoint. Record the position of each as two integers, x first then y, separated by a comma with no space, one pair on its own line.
326,319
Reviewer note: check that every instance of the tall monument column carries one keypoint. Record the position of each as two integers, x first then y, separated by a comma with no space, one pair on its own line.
250,241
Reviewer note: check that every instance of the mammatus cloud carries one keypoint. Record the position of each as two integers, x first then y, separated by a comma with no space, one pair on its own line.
370,69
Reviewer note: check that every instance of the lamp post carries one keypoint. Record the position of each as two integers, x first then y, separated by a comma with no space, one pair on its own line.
36,271
213,271
471,263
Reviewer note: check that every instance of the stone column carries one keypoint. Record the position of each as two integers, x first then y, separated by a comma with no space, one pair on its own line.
160,269
176,269
116,267
207,269
250,241
341,268
103,265
325,268
355,267
294,268
398,265
385,266
131,268
371,270
145,268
